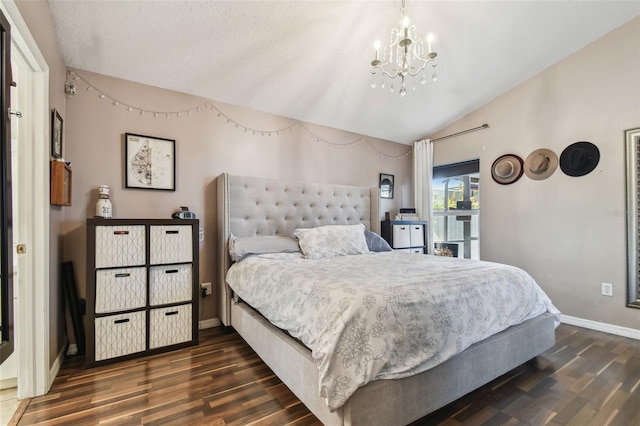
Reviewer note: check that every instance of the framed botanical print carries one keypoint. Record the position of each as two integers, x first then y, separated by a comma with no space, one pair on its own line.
150,162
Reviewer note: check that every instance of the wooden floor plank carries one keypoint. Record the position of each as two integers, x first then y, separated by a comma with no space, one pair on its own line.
587,378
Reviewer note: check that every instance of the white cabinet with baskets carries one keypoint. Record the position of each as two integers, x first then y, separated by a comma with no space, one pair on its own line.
142,287
405,235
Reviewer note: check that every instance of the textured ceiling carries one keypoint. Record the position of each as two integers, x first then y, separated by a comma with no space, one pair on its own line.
309,60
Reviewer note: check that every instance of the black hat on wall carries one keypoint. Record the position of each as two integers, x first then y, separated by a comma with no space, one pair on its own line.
579,159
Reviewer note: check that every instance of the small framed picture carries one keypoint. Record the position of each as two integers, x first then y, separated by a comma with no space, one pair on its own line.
150,162
386,185
56,134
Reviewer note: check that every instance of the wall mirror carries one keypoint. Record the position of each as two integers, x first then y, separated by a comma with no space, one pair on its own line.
386,185
632,138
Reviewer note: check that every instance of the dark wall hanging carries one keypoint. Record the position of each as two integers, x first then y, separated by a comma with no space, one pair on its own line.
579,159
386,185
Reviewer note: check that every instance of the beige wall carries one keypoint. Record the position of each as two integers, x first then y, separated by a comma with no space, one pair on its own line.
206,146
563,230
38,18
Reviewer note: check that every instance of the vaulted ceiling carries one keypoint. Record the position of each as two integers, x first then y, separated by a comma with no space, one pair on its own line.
310,60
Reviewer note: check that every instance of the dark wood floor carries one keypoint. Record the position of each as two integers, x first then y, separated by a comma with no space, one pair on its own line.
588,378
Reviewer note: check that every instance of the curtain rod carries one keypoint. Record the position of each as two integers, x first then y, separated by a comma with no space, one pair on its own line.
484,126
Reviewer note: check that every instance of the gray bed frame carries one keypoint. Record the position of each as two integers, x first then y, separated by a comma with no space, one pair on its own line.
250,206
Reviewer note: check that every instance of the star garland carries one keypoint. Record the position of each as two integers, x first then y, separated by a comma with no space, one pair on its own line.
209,106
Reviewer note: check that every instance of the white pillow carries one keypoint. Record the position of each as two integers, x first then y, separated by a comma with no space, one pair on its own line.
332,240
240,247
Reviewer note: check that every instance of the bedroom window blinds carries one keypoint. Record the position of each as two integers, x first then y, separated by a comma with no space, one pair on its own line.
456,207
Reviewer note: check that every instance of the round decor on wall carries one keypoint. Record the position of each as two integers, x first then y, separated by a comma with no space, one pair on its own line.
507,169
540,164
579,159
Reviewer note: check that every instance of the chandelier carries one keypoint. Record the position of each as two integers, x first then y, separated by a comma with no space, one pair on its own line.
403,57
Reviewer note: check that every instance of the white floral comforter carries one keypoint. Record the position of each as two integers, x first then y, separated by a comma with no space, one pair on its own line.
385,315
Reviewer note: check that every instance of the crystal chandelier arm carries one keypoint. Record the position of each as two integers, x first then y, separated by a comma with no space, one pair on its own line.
413,71
393,74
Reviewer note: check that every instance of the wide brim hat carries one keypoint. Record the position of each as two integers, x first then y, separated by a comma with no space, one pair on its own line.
540,164
579,159
507,169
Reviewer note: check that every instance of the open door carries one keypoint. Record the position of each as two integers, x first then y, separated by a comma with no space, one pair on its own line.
6,239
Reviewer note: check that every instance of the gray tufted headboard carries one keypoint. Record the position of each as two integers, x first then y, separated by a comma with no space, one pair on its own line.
249,206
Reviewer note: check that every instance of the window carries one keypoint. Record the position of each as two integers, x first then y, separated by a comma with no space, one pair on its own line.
456,208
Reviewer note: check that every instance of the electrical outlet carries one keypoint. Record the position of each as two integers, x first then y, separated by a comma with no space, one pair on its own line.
207,289
607,289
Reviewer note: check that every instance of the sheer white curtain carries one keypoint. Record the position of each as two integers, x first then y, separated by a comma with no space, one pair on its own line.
422,184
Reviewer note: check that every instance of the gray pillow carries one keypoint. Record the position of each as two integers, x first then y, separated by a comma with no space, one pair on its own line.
375,242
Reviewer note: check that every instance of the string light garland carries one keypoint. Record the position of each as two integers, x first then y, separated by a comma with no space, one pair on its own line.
209,106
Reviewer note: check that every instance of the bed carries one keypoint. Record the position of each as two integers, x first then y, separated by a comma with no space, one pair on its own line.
250,207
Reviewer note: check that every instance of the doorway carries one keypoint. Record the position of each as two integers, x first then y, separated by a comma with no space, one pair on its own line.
456,208
8,369
19,97
19,130
34,370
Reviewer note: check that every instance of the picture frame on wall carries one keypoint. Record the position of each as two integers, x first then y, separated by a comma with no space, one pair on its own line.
386,185
56,134
150,162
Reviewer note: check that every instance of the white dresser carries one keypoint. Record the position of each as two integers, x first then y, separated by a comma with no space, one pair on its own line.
405,235
142,287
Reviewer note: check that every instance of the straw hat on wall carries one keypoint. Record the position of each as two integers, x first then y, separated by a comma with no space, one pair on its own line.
507,169
540,164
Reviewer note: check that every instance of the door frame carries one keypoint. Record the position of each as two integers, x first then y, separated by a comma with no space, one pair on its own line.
33,340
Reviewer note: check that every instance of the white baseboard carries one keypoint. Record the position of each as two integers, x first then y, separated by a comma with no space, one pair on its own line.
55,368
9,383
208,323
601,326
73,349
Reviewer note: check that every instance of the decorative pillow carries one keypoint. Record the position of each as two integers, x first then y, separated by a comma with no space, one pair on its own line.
332,240
375,242
239,247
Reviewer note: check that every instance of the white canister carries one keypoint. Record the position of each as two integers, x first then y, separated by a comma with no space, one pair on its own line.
103,207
